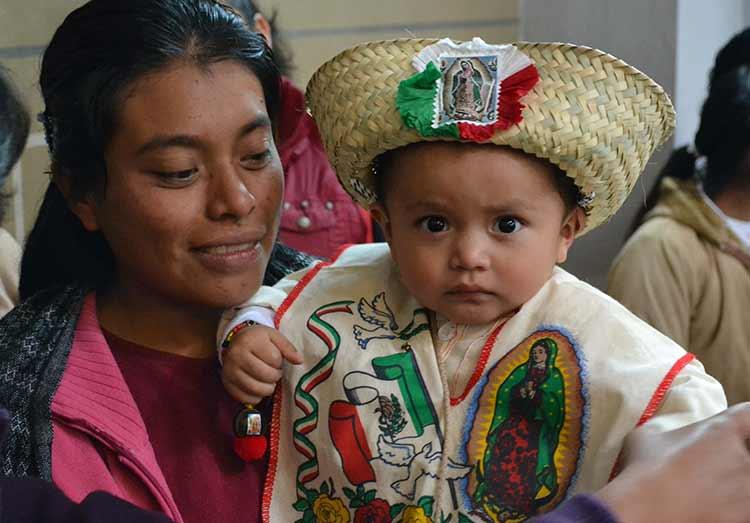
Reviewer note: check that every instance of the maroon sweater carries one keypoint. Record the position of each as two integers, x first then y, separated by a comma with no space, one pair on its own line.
188,416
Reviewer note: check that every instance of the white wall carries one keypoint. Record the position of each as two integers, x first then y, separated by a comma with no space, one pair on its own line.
641,32
703,27
674,42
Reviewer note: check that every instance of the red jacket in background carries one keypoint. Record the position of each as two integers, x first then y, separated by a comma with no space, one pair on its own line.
318,216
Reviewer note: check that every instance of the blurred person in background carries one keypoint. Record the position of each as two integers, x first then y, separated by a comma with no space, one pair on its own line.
14,129
685,269
318,216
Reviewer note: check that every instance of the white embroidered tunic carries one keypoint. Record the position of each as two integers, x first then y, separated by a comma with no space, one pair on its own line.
398,415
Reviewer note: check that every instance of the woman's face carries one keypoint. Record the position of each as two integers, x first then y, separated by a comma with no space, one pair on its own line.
194,185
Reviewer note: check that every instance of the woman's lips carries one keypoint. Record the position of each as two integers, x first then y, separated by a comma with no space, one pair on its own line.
221,250
229,258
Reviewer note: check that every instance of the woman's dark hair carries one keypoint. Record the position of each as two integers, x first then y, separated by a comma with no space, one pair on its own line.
94,58
14,130
723,136
281,53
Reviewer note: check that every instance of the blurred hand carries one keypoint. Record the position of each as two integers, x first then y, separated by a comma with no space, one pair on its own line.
695,474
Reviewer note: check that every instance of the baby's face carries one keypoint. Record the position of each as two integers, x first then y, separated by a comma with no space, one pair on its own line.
475,230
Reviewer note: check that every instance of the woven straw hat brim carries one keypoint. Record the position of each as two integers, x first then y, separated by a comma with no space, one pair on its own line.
591,114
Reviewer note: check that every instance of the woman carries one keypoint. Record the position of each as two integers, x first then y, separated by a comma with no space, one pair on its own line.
14,129
318,217
685,269
162,211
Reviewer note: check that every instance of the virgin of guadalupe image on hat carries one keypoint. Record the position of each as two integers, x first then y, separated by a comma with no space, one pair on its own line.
472,87
466,90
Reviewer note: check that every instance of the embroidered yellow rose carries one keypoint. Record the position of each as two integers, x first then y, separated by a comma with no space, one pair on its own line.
329,510
415,515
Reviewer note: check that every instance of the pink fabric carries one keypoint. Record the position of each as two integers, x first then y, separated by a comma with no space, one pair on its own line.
318,216
100,441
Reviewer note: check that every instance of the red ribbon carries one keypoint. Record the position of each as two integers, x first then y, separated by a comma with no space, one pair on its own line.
509,106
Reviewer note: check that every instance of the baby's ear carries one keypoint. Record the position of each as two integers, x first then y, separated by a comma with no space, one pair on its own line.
573,224
380,215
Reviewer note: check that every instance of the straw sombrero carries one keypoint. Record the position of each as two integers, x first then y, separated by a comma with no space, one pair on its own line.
591,114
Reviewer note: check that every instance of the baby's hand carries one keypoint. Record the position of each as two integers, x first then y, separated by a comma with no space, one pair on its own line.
253,363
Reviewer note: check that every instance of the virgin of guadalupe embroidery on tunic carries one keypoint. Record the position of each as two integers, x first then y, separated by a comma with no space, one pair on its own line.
527,433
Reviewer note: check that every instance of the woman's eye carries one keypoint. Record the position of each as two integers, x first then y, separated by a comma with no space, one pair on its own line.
256,161
177,177
507,225
434,224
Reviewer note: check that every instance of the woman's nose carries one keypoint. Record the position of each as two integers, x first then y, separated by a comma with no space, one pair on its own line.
229,197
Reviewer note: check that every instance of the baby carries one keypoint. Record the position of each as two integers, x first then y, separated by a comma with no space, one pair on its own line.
457,374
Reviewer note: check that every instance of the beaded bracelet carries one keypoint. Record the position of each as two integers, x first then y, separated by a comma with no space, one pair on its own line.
228,339
237,328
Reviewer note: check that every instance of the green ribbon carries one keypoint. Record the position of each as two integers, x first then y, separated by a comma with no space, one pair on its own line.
415,101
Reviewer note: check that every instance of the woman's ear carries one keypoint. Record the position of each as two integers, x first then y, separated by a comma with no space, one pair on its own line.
262,26
84,208
380,215
573,224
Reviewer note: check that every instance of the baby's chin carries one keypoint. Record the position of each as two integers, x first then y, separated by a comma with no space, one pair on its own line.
478,316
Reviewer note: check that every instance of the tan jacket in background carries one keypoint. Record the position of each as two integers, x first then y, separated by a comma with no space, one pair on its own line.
10,258
685,273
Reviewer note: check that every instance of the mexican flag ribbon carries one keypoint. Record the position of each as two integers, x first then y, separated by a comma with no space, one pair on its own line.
303,398
466,91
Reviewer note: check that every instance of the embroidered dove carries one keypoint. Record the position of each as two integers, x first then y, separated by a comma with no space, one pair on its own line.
424,463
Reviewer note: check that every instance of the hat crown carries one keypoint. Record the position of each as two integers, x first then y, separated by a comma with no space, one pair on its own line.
596,117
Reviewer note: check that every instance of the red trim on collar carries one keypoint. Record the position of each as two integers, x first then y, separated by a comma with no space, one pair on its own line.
294,294
481,364
296,291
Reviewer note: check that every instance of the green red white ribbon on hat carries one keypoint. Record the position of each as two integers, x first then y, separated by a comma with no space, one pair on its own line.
466,91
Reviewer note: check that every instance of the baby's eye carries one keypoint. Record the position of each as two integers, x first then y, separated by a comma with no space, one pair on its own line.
507,225
434,224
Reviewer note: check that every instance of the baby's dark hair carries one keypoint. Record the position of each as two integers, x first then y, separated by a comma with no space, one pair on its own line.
383,166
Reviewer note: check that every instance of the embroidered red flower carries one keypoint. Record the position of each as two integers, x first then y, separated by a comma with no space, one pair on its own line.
376,511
